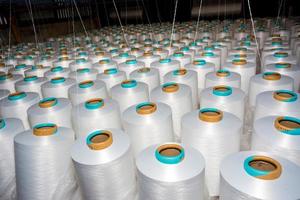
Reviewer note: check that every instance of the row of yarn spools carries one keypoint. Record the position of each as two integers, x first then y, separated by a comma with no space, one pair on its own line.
207,158
97,104
92,115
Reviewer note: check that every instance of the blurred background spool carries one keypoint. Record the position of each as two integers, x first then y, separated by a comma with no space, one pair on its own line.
178,97
57,72
51,110
45,149
7,81
63,62
149,76
147,124
170,171
80,63
130,65
19,69
187,77
3,68
280,57
202,68
184,59
95,114
99,55
270,132
163,53
287,69
129,92
248,57
224,98
271,52
111,77
266,82
171,49
123,57
9,128
164,66
148,58
45,61
104,64
223,77
84,74
245,69
258,175
279,102
86,90
37,70
211,58
16,105
103,159
137,51
3,93
186,50
215,134
30,84
57,87
216,51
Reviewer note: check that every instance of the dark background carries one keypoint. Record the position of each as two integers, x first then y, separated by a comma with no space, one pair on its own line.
57,17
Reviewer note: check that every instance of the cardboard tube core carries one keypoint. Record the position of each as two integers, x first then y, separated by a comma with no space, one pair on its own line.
128,84
210,115
16,96
146,108
99,53
263,167
180,72
283,65
286,96
110,71
44,129
222,90
64,58
94,103
99,140
86,84
239,62
48,102
105,61
288,125
169,153
144,70
169,150
222,73
271,76
147,54
170,87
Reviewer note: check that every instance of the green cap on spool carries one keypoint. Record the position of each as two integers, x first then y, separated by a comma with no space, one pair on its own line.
128,84
17,96
99,139
169,153
288,125
166,60
222,90
30,78
48,102
58,80
94,103
86,84
44,129
2,123
262,167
